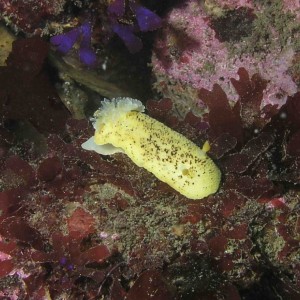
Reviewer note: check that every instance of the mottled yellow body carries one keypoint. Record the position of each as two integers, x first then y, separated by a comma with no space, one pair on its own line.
170,156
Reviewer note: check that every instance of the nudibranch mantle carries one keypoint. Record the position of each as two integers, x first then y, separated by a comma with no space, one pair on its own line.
121,126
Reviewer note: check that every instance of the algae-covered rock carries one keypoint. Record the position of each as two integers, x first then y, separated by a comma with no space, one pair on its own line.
6,40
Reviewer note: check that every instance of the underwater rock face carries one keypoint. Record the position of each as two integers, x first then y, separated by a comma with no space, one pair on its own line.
93,226
27,93
30,15
78,225
206,43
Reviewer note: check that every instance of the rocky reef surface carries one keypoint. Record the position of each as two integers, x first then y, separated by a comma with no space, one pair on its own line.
206,42
78,225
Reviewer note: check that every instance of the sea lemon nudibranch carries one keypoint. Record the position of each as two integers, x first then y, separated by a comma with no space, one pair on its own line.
121,126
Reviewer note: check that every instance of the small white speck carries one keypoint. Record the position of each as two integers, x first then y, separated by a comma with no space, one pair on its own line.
283,115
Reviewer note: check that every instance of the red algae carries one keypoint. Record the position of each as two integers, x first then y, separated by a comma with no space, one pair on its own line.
150,284
29,16
80,224
49,169
25,70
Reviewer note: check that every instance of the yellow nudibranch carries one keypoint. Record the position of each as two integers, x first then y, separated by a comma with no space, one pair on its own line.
121,126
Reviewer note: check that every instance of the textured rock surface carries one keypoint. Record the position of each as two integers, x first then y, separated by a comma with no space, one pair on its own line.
206,43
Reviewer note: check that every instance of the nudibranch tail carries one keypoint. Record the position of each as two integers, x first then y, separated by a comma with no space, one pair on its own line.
121,126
